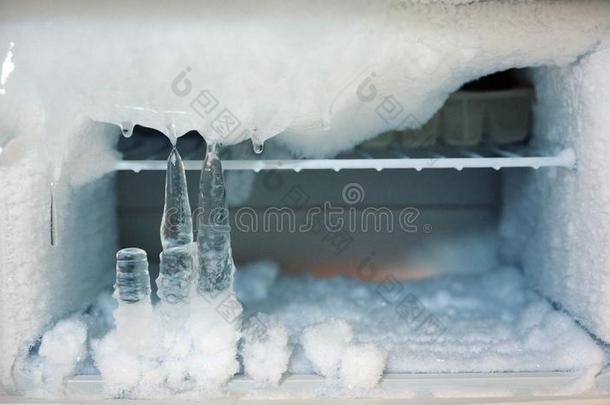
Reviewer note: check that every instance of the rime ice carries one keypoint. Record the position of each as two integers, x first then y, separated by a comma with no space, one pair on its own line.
213,239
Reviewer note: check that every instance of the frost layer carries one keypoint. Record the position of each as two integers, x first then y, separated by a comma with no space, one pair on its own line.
324,75
565,213
482,323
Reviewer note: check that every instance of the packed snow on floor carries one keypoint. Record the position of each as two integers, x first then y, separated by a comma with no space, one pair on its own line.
447,324
347,331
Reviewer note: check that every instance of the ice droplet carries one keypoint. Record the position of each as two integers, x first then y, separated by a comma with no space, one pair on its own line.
176,223
126,129
257,145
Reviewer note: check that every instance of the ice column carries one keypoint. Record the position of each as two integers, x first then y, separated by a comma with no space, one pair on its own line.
132,278
176,224
176,265
214,232
135,324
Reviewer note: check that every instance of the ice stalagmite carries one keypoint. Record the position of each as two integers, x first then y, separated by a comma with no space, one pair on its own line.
214,237
120,354
175,273
176,260
134,315
132,278
176,224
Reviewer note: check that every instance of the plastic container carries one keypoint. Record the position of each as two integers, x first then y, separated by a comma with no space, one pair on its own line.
509,115
462,119
500,116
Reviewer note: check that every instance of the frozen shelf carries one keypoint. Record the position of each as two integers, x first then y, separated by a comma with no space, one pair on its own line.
490,387
444,158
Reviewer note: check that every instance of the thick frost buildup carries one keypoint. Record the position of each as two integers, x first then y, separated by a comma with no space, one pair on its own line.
317,107
120,368
265,350
123,354
324,345
362,366
485,323
42,372
556,223
136,328
215,330
60,350
321,101
170,348
64,345
98,316
44,282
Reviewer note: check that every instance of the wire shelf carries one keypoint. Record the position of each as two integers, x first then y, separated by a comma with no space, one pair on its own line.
434,158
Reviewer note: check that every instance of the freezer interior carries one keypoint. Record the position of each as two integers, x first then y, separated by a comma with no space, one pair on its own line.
412,217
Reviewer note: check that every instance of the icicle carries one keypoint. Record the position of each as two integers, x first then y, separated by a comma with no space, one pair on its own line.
176,260
52,216
7,68
176,224
213,238
127,129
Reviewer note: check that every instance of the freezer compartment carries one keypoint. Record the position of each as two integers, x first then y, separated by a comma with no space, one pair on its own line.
430,293
465,260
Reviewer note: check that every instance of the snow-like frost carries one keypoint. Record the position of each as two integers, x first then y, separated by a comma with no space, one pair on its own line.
486,323
362,366
285,77
265,352
324,345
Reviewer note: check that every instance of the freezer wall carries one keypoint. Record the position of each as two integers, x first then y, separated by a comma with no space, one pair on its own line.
40,282
556,222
